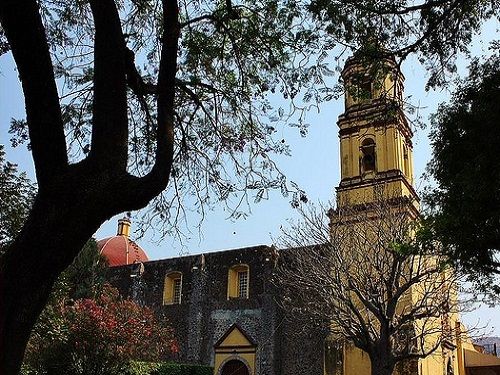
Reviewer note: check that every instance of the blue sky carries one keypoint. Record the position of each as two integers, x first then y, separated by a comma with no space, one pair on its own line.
314,166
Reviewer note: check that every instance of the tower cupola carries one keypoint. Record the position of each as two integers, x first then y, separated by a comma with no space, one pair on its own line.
375,137
369,79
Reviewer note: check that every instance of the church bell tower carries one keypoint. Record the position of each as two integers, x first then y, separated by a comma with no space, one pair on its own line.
376,148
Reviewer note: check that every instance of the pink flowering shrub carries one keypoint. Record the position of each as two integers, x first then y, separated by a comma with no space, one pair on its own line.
97,336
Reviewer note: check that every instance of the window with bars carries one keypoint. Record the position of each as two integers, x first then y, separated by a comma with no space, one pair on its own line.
243,284
177,291
238,281
172,290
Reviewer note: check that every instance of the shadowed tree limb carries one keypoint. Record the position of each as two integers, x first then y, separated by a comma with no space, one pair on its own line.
110,125
23,27
73,200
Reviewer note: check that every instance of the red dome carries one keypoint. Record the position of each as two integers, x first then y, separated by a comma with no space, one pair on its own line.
120,250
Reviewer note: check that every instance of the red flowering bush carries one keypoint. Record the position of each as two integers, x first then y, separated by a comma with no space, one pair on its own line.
96,336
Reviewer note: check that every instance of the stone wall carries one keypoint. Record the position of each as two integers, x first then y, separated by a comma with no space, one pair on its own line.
284,344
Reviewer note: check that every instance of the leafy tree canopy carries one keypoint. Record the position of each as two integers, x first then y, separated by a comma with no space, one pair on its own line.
436,30
96,336
234,56
16,197
466,142
85,277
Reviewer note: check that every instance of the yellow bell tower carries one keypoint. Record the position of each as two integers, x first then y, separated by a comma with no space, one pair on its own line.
375,137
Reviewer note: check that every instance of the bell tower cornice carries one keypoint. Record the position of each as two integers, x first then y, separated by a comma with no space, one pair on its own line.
377,114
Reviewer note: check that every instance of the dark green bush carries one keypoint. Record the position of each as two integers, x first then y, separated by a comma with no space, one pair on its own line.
148,368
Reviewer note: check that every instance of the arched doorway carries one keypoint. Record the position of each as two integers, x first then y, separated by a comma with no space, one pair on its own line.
234,367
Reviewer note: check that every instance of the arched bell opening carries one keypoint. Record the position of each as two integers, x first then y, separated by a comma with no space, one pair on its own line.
368,156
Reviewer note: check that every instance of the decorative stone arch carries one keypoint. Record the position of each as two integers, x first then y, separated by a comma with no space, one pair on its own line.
234,357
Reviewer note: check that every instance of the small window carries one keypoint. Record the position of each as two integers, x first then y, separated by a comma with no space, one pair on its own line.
364,90
243,284
172,290
177,291
238,281
406,161
368,160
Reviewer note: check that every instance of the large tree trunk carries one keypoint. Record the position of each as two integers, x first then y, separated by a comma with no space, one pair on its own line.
63,218
74,200
381,366
25,290
382,362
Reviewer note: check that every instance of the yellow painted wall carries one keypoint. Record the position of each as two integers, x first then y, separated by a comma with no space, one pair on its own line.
393,153
234,338
366,194
364,118
389,148
356,361
235,346
433,364
123,227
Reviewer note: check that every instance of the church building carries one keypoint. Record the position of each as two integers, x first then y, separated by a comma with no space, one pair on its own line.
223,306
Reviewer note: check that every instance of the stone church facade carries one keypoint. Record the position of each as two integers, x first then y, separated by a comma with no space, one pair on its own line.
224,307
259,333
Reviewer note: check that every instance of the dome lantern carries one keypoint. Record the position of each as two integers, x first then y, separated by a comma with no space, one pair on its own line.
123,227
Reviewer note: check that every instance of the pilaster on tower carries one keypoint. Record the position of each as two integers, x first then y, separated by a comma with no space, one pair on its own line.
376,149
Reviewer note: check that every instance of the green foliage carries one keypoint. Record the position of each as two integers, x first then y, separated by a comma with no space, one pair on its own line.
87,274
434,30
147,368
465,213
96,336
232,55
235,59
85,277
401,248
141,368
17,193
86,328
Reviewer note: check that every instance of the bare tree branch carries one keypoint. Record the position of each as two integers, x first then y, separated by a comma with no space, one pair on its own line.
365,274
